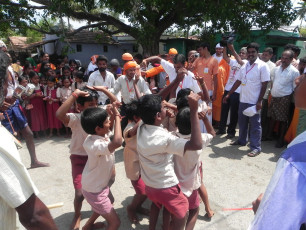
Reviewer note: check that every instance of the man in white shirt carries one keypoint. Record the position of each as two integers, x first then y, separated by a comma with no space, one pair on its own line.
267,54
253,78
232,104
282,88
172,70
131,86
219,53
102,77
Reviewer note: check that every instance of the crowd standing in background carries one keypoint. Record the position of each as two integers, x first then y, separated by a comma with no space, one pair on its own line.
164,111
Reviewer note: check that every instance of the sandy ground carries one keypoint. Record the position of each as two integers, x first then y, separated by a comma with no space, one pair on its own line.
233,180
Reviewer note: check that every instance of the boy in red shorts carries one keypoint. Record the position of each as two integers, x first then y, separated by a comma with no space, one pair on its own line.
187,167
85,98
156,147
131,163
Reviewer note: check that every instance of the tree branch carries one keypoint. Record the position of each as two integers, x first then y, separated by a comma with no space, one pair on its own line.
9,3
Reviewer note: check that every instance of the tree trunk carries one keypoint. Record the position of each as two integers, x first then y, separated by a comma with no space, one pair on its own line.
150,46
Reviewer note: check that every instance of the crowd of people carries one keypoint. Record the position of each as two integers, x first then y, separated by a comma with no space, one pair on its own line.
164,111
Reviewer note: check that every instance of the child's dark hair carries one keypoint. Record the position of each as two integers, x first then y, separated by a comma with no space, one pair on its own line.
73,61
21,78
66,68
79,75
183,121
92,118
65,78
149,106
42,67
32,74
131,110
182,102
52,79
183,93
182,98
93,94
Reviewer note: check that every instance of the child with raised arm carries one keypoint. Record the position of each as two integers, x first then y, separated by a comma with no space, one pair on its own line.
187,167
99,167
156,147
84,98
131,162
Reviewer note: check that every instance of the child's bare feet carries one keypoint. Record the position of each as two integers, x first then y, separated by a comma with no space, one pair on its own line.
75,224
132,215
58,133
39,164
143,211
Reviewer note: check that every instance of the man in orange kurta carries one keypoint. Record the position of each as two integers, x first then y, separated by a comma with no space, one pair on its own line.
223,74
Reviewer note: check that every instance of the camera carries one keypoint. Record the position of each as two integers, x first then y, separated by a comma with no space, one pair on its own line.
197,55
227,39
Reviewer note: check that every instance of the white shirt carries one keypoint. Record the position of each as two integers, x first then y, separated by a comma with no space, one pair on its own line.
234,73
187,167
218,58
63,93
11,85
127,90
156,147
284,81
16,185
78,134
91,67
251,77
271,67
96,79
98,169
187,82
78,85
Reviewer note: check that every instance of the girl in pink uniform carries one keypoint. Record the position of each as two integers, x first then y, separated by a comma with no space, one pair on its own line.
52,104
38,112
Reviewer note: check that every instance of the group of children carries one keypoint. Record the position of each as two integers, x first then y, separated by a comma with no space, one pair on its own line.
50,92
163,166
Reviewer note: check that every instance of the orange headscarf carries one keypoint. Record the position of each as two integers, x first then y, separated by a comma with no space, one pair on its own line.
173,51
127,57
130,64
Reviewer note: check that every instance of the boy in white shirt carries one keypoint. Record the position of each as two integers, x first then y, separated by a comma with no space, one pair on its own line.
187,168
84,99
131,163
156,147
99,167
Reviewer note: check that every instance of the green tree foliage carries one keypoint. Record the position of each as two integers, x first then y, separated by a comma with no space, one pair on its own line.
146,20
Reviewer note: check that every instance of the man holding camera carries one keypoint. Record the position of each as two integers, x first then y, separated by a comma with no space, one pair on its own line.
233,102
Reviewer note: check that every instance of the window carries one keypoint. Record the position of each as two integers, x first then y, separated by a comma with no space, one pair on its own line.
165,47
79,48
105,49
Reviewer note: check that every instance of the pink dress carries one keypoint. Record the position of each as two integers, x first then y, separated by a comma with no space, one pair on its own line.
38,113
52,107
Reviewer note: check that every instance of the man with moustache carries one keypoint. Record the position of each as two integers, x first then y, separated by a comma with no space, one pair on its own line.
102,77
253,78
